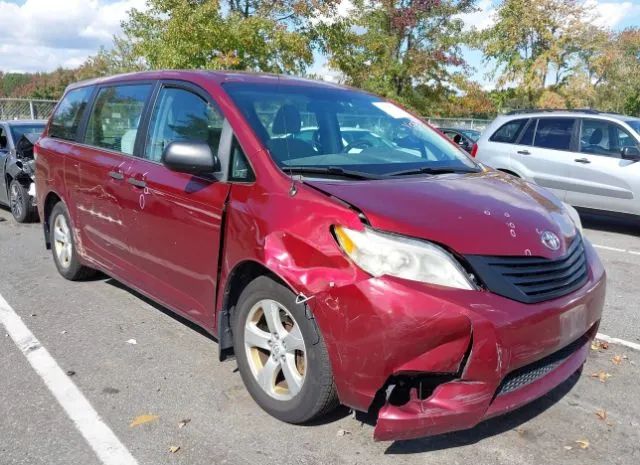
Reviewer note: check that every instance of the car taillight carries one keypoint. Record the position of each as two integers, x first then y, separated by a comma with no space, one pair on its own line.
474,150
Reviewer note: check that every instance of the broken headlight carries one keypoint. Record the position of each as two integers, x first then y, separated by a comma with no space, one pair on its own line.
385,254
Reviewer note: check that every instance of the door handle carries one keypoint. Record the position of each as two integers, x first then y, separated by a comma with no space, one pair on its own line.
137,182
524,152
582,160
117,176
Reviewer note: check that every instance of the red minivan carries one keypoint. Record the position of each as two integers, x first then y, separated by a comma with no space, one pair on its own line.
342,249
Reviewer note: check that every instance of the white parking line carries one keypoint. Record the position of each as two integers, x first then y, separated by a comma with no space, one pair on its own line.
616,249
615,340
104,443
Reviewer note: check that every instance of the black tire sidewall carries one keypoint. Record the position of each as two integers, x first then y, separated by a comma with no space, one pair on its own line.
302,407
26,207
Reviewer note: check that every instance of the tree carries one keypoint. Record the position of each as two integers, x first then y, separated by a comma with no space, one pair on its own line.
532,43
274,36
402,49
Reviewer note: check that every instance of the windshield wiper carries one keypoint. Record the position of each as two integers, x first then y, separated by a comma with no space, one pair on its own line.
431,170
329,170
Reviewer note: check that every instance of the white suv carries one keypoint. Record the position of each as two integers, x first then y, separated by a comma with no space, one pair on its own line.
588,159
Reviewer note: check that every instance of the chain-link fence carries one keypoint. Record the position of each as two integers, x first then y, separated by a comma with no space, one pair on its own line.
461,123
15,108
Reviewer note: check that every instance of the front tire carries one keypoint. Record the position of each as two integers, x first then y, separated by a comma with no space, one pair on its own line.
63,246
20,202
281,354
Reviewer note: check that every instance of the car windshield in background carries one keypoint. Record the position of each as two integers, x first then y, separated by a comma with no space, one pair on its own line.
18,130
316,130
471,134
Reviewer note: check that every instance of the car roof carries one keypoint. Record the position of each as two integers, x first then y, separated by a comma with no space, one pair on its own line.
569,113
216,76
458,129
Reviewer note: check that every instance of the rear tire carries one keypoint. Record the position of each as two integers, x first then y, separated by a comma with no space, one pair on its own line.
20,202
63,246
281,354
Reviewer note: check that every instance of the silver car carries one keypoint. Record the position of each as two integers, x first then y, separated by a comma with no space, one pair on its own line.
588,159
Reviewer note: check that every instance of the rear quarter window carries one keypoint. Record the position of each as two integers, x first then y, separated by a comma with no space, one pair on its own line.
68,114
509,131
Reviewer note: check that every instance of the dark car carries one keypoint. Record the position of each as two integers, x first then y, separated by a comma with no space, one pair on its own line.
465,138
17,186
365,278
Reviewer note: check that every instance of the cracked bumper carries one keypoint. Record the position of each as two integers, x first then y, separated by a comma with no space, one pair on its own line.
382,328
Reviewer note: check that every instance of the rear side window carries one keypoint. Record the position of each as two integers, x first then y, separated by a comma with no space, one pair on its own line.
67,117
181,115
554,133
115,117
509,132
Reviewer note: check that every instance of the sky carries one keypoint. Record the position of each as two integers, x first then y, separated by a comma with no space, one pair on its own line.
41,35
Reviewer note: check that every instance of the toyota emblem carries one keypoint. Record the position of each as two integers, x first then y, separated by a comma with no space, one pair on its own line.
550,240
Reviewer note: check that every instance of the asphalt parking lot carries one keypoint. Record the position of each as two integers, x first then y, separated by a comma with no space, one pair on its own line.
171,383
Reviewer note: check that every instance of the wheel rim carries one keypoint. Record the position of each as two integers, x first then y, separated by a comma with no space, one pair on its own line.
275,350
62,244
16,200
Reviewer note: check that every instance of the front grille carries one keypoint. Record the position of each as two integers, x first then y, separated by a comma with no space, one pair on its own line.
533,279
534,371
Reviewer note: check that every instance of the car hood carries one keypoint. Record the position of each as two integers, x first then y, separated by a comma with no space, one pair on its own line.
487,213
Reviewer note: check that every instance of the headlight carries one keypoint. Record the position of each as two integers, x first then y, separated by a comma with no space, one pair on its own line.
384,254
573,213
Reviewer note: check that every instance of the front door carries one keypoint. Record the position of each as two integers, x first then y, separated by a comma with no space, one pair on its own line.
601,178
4,155
98,170
178,217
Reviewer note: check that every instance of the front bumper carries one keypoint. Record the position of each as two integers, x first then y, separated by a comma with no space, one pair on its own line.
384,329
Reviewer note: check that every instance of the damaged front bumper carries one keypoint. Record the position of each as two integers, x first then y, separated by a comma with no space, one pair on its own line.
432,360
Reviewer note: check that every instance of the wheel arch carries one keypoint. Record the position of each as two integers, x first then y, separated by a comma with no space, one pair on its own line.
242,274
51,199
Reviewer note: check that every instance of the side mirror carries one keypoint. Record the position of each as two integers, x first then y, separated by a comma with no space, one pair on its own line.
630,153
190,157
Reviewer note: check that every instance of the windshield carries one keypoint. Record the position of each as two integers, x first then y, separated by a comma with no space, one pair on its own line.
635,124
326,128
471,134
18,130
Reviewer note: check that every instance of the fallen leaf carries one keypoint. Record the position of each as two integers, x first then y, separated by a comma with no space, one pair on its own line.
174,449
521,431
343,432
595,345
583,443
602,376
132,341
184,422
604,345
568,447
142,419
602,414
617,360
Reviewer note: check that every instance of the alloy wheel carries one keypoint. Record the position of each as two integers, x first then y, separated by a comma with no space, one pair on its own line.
16,200
275,349
62,244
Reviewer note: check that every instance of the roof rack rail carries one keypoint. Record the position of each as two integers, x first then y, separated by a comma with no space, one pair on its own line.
550,110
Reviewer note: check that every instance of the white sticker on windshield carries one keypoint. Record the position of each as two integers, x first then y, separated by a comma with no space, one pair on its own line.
392,110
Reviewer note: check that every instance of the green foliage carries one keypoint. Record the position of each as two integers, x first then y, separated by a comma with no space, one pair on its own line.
275,36
403,49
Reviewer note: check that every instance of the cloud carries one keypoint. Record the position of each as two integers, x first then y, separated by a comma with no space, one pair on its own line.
611,14
46,34
481,19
